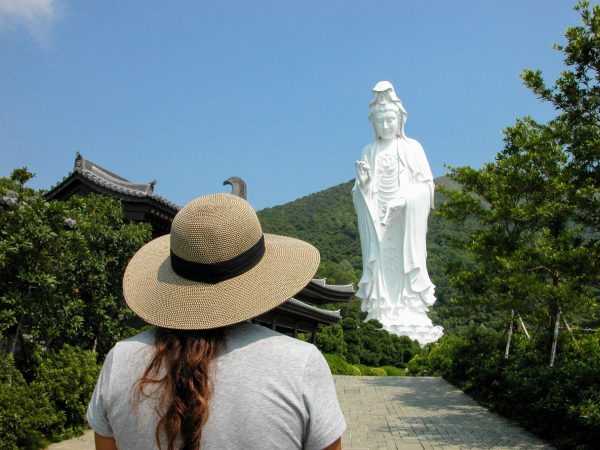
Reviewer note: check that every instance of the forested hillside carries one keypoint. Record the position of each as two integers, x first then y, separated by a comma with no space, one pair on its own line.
326,219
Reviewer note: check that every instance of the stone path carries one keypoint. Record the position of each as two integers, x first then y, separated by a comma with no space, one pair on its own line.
407,413
84,442
422,413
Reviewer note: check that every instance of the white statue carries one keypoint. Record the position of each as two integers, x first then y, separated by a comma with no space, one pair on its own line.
392,196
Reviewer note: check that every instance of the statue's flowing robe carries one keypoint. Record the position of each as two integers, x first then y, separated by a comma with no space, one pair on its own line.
404,236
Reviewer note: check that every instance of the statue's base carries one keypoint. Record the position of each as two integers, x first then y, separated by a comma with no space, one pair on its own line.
404,320
423,334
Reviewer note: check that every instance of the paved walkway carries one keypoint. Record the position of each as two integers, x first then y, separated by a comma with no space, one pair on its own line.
422,413
407,413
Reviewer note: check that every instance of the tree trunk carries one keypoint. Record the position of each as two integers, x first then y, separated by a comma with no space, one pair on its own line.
555,338
12,346
557,313
523,327
510,332
569,329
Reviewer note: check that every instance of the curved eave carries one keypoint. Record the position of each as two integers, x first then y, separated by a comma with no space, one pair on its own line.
96,184
302,309
319,292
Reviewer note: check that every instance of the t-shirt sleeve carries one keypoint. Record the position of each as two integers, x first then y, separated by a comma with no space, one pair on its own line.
97,415
326,422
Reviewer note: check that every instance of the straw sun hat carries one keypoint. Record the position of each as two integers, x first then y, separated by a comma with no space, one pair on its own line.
216,268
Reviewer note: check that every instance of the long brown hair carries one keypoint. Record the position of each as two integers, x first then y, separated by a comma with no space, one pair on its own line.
180,370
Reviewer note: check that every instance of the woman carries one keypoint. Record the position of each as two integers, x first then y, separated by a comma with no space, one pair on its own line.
392,197
205,377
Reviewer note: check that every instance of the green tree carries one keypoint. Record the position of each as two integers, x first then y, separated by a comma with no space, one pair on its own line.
532,252
331,340
576,97
337,273
372,337
354,347
61,265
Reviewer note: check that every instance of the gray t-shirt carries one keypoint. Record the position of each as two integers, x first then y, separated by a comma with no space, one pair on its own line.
270,392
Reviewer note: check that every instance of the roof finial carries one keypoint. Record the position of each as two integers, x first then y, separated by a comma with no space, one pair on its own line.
79,161
238,186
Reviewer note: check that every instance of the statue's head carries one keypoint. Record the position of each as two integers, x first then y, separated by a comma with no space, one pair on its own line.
383,107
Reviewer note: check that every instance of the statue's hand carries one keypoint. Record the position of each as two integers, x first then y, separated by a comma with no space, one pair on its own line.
363,172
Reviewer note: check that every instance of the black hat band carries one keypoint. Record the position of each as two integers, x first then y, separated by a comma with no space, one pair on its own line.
221,271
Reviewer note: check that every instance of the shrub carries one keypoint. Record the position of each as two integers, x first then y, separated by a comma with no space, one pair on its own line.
68,378
338,365
355,371
364,370
331,339
53,404
354,347
377,372
441,354
394,371
419,365
372,338
26,412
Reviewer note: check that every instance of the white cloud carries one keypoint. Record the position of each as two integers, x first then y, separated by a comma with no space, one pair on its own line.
35,15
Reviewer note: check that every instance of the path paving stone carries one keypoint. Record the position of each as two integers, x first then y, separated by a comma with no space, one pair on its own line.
84,442
407,413
422,413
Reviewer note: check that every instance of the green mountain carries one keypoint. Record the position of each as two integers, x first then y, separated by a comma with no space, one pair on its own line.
327,220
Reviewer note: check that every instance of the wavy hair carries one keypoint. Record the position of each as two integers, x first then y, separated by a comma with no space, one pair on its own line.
180,372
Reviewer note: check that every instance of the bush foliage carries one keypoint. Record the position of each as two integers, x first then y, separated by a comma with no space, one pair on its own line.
26,412
61,264
67,378
53,404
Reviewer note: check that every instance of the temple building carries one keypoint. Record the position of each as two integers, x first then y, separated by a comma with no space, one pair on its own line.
299,314
140,203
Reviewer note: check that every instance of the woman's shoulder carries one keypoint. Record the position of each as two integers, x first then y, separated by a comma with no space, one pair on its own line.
253,332
142,338
136,343
257,338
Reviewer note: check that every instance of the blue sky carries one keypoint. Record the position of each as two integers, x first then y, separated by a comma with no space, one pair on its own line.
192,92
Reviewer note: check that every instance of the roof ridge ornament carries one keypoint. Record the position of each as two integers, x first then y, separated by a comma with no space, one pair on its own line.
238,187
79,161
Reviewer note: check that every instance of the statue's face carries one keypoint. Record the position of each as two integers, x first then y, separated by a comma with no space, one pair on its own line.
386,125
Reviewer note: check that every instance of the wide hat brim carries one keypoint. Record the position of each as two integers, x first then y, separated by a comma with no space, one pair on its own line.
161,297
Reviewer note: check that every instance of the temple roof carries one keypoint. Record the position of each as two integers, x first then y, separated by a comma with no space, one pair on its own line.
104,178
317,291
301,308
